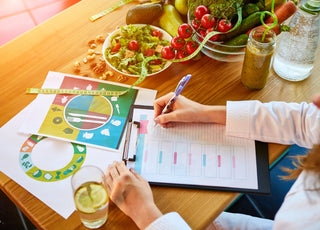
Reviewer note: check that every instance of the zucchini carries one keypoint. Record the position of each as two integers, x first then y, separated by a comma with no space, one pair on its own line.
249,22
170,20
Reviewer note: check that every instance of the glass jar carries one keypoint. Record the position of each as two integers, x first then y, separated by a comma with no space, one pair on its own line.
297,50
258,58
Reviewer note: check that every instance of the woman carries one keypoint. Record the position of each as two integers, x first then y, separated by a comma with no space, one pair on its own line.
277,122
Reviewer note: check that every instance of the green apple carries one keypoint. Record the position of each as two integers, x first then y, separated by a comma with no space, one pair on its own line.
181,6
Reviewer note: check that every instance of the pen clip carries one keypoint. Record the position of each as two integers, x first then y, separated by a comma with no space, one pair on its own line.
182,84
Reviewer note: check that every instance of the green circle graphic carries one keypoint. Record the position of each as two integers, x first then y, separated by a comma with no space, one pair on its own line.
34,172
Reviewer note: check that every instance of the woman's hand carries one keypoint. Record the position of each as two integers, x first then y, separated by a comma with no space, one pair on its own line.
316,100
132,194
185,110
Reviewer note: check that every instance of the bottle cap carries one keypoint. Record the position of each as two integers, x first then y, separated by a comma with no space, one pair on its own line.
311,6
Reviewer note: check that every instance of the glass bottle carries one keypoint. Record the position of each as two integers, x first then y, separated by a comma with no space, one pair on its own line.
258,58
297,50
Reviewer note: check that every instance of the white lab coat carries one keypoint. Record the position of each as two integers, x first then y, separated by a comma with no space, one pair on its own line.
277,122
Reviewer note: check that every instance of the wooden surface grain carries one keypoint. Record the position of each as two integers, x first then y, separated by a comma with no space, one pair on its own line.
57,43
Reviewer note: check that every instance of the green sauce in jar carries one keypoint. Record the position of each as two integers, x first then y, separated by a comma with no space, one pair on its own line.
257,59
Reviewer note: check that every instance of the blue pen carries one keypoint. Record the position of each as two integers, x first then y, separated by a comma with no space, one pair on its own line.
182,83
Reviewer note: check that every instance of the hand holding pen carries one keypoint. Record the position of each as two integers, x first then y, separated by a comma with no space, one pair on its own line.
164,105
182,83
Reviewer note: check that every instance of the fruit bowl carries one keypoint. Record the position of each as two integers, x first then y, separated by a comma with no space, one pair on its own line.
218,50
156,67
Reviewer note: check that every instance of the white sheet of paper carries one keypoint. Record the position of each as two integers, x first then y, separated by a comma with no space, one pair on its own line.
57,195
194,154
50,154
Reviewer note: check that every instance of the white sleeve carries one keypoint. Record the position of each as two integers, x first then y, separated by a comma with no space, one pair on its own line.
277,122
300,208
169,221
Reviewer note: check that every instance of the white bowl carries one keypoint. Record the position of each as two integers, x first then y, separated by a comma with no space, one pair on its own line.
106,44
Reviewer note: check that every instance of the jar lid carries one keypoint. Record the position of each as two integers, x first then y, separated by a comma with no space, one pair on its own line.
311,6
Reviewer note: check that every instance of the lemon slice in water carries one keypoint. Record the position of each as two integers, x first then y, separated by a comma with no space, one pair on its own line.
90,197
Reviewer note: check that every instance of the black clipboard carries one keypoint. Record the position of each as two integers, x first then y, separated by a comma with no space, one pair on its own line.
262,163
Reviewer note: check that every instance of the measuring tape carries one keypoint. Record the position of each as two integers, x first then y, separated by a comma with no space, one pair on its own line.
76,91
94,92
116,93
112,8
143,70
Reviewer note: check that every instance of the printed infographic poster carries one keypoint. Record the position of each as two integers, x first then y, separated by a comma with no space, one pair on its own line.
98,121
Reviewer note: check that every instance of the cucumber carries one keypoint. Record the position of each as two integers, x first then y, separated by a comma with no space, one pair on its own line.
249,22
249,8
239,40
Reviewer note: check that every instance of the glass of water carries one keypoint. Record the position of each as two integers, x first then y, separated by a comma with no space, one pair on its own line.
90,196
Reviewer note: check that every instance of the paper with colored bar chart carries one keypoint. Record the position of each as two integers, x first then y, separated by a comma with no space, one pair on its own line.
193,155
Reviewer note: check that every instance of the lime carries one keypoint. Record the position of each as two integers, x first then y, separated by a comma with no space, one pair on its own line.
90,196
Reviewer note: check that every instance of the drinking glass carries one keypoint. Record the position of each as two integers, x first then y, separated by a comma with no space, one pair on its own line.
90,196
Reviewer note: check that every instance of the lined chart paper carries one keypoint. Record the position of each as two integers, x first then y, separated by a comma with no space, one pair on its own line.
197,154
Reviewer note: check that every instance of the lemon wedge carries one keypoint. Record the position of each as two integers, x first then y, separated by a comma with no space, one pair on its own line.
90,197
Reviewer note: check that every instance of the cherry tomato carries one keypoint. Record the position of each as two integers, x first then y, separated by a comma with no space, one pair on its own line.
224,25
156,33
202,35
196,23
168,52
185,30
200,11
191,47
133,45
116,48
181,54
214,37
177,43
208,21
149,52
156,62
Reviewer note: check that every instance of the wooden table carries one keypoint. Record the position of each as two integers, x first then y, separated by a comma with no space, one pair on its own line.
59,42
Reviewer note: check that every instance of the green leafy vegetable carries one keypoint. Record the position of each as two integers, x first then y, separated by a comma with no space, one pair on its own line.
219,8
130,61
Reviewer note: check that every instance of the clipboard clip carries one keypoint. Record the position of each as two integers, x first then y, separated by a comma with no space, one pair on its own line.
128,142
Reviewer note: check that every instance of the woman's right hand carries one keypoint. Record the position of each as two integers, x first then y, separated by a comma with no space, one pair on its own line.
183,110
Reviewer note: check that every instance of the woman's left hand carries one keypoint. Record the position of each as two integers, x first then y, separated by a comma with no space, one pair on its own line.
132,194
